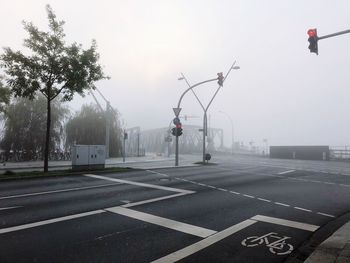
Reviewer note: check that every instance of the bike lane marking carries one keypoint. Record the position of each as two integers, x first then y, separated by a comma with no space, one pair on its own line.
191,249
200,245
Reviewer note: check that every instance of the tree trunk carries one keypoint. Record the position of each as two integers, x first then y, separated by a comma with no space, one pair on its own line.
47,140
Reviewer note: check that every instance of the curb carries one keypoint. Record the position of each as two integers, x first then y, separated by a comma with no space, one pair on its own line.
335,249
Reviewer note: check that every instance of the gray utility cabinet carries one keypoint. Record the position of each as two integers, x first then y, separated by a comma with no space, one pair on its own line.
88,157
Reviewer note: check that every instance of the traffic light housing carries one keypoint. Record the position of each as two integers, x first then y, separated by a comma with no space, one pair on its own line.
177,131
220,79
313,40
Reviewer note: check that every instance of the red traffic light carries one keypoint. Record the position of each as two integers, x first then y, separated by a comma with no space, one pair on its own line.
312,32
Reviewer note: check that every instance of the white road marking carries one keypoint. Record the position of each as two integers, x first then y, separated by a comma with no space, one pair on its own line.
324,214
187,251
161,221
49,221
140,184
249,196
303,209
265,200
153,200
221,189
284,222
287,172
236,193
57,191
11,207
282,204
154,172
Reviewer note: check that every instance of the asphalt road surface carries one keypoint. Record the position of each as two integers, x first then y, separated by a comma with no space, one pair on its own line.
240,210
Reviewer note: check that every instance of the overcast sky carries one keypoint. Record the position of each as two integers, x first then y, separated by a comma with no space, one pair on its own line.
282,92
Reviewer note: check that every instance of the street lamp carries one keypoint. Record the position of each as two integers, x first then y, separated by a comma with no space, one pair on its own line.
232,138
205,109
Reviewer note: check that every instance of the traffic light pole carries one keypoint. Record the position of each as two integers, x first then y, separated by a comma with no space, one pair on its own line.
178,106
334,34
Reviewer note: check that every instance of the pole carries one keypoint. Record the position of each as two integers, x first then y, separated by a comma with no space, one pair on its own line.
204,133
334,34
107,129
178,106
124,147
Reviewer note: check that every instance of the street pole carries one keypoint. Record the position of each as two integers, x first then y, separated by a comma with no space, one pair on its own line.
177,115
124,138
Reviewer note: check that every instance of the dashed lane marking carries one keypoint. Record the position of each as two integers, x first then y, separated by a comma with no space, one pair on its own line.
287,172
302,209
265,200
282,204
254,197
279,175
324,214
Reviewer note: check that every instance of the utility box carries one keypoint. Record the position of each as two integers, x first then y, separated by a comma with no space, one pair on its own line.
87,157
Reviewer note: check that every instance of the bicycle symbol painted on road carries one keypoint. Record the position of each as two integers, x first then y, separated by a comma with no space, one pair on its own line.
276,244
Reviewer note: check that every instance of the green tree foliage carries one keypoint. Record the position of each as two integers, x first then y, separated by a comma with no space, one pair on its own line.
88,126
25,127
5,95
53,68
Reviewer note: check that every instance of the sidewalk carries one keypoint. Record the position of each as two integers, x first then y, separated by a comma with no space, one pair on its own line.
148,161
335,249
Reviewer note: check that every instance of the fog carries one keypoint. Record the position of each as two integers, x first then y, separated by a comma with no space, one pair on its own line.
281,92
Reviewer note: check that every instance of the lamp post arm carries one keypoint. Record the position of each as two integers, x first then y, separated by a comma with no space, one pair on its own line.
188,84
195,85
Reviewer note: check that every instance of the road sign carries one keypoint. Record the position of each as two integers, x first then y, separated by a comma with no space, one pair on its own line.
176,121
177,111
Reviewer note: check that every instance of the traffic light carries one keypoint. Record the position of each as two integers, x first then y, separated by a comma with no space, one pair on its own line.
179,129
313,39
220,79
173,131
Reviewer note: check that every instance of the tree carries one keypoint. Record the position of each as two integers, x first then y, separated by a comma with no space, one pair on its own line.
24,127
89,127
53,68
5,95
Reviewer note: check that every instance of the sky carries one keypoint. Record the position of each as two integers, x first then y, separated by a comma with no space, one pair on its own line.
282,92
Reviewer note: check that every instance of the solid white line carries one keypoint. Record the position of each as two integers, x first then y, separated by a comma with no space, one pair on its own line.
265,200
56,191
328,183
161,221
187,251
347,185
50,221
250,196
303,209
221,189
287,172
153,200
236,193
282,204
11,207
325,214
284,222
140,184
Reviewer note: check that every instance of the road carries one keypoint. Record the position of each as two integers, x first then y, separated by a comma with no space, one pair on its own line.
240,210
